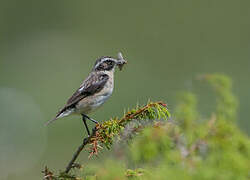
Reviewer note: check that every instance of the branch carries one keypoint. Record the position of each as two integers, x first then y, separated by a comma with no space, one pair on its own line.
86,141
105,132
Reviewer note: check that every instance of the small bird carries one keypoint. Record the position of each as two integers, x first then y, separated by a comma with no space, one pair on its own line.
94,90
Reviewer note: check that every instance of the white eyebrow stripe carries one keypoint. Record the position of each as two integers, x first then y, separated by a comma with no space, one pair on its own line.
104,59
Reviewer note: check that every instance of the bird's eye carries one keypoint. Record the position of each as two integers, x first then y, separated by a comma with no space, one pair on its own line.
105,65
110,62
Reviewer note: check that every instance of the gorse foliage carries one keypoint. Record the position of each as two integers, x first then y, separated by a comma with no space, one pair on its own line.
104,134
111,128
226,102
187,147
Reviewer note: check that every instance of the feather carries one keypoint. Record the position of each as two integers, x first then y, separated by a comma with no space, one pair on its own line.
93,84
61,115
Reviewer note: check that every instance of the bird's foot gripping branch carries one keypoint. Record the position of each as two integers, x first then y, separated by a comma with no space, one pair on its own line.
105,133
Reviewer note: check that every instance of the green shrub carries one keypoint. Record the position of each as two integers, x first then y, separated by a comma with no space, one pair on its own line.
184,147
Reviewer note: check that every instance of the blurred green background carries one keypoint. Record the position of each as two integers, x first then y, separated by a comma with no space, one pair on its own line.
48,47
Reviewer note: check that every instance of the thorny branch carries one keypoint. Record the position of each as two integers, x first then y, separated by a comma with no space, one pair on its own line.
47,174
86,141
140,111
97,136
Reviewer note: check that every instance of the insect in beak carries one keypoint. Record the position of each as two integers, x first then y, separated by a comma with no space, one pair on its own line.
121,61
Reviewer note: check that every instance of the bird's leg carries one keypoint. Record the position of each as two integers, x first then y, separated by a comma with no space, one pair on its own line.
84,121
90,118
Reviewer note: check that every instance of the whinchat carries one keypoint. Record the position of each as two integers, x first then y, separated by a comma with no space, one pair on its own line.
94,90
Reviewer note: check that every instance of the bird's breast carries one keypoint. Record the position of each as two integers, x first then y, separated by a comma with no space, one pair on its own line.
91,103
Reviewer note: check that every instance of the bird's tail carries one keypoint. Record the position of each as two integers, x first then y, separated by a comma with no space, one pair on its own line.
60,115
50,121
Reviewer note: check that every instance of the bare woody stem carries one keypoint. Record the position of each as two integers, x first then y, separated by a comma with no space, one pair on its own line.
86,141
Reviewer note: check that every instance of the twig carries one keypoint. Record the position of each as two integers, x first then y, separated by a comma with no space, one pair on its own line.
86,141
140,111
95,136
47,174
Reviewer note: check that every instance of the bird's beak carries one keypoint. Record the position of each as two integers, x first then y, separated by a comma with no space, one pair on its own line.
121,61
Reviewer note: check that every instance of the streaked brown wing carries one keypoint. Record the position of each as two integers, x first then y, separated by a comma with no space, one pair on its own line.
93,84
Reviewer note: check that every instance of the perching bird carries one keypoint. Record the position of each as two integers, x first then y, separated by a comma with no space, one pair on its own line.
94,90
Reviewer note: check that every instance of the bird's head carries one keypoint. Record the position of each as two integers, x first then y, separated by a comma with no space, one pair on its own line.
107,63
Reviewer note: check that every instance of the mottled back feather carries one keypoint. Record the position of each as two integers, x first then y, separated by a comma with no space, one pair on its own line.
93,84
